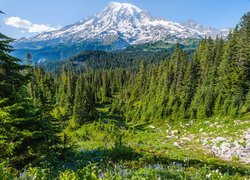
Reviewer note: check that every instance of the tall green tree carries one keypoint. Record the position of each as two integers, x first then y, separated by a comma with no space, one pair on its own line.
84,105
25,134
28,58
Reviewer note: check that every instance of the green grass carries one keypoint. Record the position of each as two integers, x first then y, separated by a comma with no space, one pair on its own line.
110,148
152,145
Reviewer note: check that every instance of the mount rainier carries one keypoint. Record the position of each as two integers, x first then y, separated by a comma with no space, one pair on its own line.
117,26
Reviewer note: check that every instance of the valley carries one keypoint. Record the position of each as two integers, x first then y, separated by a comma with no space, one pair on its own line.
125,95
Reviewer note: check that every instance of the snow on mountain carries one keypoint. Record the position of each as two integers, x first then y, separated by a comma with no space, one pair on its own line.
204,31
126,22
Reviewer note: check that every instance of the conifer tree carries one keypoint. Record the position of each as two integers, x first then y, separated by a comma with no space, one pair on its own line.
28,58
84,106
25,133
10,77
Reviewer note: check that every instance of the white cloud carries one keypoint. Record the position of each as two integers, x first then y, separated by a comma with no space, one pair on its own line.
28,26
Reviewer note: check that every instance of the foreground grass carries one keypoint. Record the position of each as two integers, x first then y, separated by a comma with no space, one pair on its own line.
112,149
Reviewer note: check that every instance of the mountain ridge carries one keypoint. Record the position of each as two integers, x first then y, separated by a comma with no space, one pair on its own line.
129,19
116,27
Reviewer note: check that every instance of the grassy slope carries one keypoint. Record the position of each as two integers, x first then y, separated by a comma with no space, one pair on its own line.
160,147
110,148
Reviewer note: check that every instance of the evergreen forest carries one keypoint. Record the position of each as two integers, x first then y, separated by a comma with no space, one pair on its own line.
120,120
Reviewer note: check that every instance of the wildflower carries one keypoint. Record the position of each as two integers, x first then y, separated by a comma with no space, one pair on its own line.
151,126
101,175
208,175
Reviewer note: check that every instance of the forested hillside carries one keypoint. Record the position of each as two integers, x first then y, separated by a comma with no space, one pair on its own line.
129,58
93,123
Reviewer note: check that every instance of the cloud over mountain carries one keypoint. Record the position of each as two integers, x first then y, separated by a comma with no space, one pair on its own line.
30,27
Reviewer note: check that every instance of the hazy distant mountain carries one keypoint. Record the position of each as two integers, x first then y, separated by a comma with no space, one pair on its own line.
205,31
117,26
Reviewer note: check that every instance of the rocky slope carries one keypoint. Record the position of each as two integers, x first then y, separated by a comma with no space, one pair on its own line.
229,141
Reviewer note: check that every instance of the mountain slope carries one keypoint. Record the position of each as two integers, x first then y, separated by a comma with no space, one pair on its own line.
117,26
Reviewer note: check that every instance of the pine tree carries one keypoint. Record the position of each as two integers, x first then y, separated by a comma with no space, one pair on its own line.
10,77
28,58
65,97
178,64
25,133
188,90
84,107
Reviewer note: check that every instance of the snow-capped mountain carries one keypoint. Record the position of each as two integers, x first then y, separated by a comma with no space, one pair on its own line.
116,27
205,31
128,24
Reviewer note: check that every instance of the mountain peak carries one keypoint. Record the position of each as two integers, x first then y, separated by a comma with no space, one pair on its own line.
190,23
126,23
118,6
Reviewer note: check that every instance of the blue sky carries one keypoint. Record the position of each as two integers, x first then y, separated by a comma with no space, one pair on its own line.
25,18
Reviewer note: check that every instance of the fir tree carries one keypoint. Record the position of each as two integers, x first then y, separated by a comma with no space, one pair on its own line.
25,133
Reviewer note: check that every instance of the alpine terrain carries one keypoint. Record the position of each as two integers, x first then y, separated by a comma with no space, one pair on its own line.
124,95
116,27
